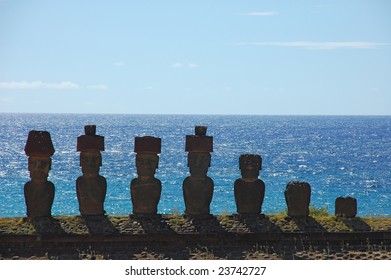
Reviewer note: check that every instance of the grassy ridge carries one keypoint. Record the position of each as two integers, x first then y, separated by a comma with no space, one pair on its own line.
181,224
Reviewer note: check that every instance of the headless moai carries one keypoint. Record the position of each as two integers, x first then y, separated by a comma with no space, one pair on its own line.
346,207
297,196
145,190
39,192
249,190
91,187
198,187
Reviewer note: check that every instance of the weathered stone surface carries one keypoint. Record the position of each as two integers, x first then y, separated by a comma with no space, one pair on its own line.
39,199
199,142
90,141
147,144
249,190
198,187
297,196
91,188
145,190
39,192
346,207
39,143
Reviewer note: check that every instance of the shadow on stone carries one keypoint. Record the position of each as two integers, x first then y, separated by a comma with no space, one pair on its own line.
153,224
258,223
356,224
47,225
99,225
204,224
308,224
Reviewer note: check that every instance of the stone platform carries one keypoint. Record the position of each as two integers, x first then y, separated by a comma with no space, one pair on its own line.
175,236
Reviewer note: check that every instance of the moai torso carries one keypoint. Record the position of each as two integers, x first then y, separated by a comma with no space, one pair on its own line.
39,199
91,194
91,188
198,194
145,195
39,192
249,190
145,190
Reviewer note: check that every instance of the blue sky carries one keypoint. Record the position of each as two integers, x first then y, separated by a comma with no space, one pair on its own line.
196,57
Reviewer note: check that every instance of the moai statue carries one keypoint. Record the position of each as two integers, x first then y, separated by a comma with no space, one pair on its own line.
145,190
249,190
39,192
346,207
297,196
198,187
91,187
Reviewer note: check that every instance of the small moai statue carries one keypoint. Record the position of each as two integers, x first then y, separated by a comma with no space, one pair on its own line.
198,187
297,196
91,187
145,190
39,192
346,207
249,190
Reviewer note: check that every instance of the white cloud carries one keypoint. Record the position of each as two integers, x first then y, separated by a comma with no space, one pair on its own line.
177,65
24,85
119,64
98,87
317,45
260,14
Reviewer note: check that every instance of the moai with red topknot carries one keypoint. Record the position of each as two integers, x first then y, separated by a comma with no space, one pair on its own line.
91,187
145,190
198,187
249,190
39,192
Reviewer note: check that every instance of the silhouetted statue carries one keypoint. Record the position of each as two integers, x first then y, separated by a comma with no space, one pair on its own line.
198,187
297,196
91,187
39,192
346,207
249,190
145,190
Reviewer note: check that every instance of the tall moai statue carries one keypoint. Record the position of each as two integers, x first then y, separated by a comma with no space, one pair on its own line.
39,192
249,190
145,190
91,187
297,196
198,187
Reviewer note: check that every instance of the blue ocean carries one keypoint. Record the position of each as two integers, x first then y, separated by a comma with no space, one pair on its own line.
337,155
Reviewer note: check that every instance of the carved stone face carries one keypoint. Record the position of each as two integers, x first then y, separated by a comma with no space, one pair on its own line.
146,164
39,167
249,167
198,163
90,162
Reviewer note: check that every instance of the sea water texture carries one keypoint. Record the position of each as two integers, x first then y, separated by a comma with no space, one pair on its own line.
337,155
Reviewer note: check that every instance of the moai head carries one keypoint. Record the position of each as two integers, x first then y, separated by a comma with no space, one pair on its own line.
199,147
249,166
39,148
147,159
90,145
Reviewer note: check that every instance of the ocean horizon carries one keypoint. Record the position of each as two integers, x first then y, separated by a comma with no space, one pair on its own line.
336,155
